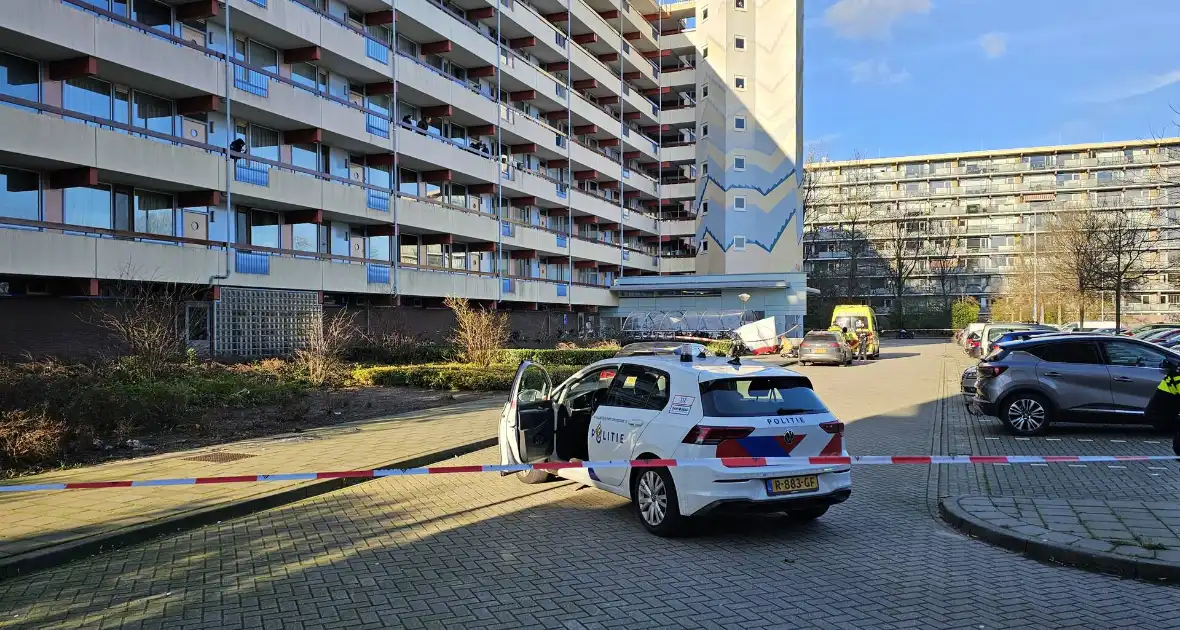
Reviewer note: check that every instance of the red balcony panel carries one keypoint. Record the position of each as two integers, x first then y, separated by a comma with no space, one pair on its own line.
379,18
437,239
557,66
381,229
379,88
311,135
525,148
523,95
560,16
522,42
558,163
632,36
632,116
73,68
482,13
437,111
657,53
556,260
74,177
522,202
631,194
198,104
608,57
481,247
588,219
586,38
481,189
609,142
482,72
437,48
584,130
522,254
198,198
200,10
586,84
382,159
613,14
585,264
609,185
632,155
482,130
304,216
443,175
608,227
300,55
632,232
608,100
631,76
655,91
557,114
579,175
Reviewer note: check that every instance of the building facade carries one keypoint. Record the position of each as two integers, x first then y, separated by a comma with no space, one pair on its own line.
381,153
970,222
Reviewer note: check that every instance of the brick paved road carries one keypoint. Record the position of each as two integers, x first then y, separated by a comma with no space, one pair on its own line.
461,551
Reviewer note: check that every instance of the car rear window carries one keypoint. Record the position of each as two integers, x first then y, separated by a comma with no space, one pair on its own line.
812,336
761,396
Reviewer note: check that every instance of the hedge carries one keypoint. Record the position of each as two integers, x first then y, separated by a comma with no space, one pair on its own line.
431,353
457,376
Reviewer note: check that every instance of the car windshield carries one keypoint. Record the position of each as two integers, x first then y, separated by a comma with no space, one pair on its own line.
851,322
761,396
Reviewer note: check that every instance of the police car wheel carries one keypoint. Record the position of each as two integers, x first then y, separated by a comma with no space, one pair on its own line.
654,494
534,476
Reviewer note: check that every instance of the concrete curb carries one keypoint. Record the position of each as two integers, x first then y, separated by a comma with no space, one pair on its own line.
57,555
1045,550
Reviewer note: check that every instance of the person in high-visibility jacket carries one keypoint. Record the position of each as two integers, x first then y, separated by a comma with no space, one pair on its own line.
851,338
1163,410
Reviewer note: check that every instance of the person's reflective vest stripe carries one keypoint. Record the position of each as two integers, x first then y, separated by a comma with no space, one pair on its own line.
1170,385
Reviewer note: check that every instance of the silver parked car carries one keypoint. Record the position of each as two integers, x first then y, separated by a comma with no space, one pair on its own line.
1081,377
821,346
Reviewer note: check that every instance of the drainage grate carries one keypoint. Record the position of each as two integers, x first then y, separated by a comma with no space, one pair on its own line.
218,457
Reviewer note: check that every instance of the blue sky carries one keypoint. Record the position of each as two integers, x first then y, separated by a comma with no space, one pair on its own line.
904,77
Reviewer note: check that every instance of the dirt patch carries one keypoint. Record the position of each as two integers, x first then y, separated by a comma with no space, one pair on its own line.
319,408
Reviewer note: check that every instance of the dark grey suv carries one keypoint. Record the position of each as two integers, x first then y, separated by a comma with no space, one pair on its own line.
1076,378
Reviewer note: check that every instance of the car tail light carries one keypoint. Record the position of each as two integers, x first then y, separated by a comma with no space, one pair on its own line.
991,371
834,428
974,343
834,345
701,434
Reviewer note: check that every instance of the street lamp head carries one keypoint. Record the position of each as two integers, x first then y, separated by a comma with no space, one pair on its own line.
744,297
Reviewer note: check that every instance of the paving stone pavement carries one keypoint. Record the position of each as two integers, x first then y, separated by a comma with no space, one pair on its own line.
31,522
486,551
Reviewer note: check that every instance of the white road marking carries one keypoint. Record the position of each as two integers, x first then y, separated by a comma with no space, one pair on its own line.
1076,465
1084,440
1040,464
1151,441
1119,441
992,438
1116,466
1025,439
1053,439
1156,468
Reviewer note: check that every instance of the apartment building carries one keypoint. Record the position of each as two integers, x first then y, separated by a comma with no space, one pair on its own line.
291,155
970,217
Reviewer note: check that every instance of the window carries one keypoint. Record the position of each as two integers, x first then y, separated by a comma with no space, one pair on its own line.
264,143
704,13
739,82
739,163
153,113
739,243
379,248
309,76
1084,352
306,156
305,237
705,51
1127,354
704,169
20,195
705,207
590,390
740,5
19,78
638,387
704,90
755,397
87,95
739,42
87,206
154,213
739,203
704,245
197,322
704,130
739,123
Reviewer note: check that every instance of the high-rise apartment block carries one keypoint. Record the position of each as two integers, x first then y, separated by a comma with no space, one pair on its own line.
971,221
280,156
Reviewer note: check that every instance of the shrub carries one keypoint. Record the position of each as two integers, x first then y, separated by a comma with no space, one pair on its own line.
720,348
964,311
29,438
555,357
479,332
457,376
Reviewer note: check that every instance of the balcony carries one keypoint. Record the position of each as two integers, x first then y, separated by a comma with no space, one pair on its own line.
678,264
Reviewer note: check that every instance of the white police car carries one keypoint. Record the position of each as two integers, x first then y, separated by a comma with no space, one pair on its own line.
682,406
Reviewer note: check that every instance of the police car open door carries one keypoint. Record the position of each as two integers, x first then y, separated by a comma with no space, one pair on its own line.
528,423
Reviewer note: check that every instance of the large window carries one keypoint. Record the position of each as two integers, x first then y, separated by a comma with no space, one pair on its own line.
87,206
264,143
153,113
18,77
305,237
379,247
154,213
20,195
305,156
256,227
87,95
407,182
340,245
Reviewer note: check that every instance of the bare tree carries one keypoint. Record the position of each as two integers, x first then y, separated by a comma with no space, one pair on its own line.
323,357
1075,254
898,248
1125,241
145,318
838,215
481,333
942,251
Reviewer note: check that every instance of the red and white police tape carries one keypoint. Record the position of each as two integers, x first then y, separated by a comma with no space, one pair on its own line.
728,462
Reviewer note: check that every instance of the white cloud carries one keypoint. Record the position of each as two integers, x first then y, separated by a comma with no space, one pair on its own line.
876,71
994,44
870,19
1131,87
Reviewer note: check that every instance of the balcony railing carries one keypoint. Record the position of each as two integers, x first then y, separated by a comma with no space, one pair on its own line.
252,172
376,50
377,200
251,81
